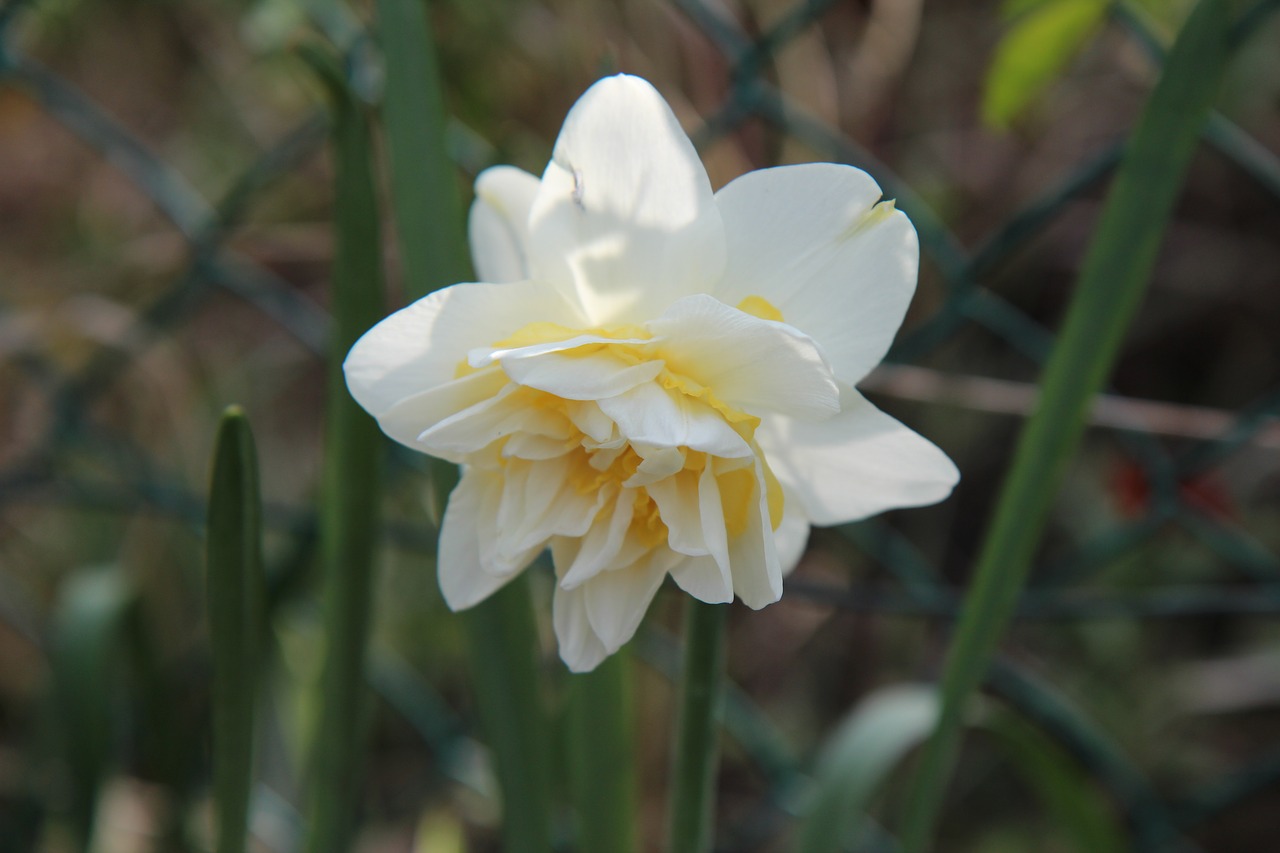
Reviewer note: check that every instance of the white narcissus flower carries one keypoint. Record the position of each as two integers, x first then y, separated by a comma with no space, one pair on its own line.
654,379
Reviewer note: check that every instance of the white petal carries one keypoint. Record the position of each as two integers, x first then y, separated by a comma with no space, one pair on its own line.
811,240
580,648
599,549
508,412
483,356
592,422
677,500
856,464
410,420
625,217
702,578
750,363
753,555
498,552
617,599
792,534
539,500
463,581
711,512
499,223
652,414
421,346
658,463
580,377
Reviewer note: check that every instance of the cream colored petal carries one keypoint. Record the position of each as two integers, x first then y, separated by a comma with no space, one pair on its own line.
677,500
503,414
753,555
463,581
580,377
857,464
625,219
484,356
580,648
702,578
422,346
752,364
599,549
792,535
652,414
410,421
498,229
812,240
617,599
539,500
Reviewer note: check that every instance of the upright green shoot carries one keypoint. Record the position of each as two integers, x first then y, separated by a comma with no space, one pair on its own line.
353,452
235,586
1110,288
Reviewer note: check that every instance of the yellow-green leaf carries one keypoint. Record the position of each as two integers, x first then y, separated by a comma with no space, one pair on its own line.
1034,52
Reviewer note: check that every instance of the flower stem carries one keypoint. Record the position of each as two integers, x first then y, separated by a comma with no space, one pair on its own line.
602,757
351,484
697,748
502,641
235,592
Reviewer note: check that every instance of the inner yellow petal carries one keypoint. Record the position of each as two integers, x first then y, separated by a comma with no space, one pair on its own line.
758,306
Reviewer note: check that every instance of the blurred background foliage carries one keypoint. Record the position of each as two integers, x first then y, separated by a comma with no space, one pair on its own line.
165,251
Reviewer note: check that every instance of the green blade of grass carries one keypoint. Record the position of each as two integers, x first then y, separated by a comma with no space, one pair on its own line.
601,743
90,623
235,587
857,759
1111,285
1043,706
691,808
502,652
351,482
501,632
424,189
1080,814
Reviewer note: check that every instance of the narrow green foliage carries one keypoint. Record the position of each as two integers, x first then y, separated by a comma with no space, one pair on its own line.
1077,808
601,743
433,249
235,586
504,667
90,624
858,758
1034,52
350,486
424,185
1111,286
691,809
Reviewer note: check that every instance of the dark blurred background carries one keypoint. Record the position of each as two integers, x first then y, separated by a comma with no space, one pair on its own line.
165,243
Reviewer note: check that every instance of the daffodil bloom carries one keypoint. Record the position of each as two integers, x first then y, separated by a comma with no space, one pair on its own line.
653,379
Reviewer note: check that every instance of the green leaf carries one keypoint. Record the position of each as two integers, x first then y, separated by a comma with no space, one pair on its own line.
1111,286
602,767
857,759
691,808
1078,809
503,653
351,480
235,588
90,627
1034,52
501,632
424,185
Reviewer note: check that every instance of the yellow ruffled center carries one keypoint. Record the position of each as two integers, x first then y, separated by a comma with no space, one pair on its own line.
595,467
